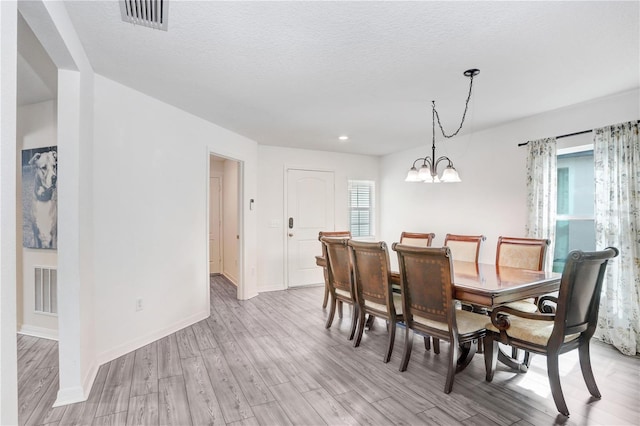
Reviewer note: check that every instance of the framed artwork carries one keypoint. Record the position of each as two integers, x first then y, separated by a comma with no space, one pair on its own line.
40,198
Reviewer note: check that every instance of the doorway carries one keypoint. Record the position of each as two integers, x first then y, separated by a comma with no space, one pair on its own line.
309,210
224,218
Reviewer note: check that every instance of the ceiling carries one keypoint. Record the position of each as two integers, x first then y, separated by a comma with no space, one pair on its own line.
37,75
299,74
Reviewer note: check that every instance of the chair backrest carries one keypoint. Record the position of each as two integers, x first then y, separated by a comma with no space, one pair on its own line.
334,234
465,248
426,279
336,252
579,294
372,272
522,253
416,239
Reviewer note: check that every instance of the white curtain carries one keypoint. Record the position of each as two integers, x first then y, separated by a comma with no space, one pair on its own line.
542,177
617,218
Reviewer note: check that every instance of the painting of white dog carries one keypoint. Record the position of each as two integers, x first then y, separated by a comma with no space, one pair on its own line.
40,198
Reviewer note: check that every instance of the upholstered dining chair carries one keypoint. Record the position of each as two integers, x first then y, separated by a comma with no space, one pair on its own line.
464,248
340,278
416,239
551,334
335,234
374,294
428,305
522,253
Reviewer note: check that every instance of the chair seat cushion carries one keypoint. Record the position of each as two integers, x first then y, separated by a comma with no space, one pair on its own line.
530,330
468,322
526,305
397,302
343,293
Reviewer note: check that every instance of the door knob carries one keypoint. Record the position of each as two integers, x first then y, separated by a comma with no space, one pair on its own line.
291,235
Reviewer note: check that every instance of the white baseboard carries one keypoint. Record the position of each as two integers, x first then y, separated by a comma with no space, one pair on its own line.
44,333
275,287
304,286
137,343
70,396
233,280
77,394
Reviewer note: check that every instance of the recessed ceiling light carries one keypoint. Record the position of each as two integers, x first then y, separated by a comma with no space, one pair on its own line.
343,138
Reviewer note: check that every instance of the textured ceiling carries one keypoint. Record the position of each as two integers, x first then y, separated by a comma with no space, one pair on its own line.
300,74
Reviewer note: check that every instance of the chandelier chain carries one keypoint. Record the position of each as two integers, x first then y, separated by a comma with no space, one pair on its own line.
466,106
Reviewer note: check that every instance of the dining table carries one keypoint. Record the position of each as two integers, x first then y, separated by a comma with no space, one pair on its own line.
484,286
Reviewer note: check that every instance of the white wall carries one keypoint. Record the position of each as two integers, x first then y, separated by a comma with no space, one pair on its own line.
491,198
8,361
230,220
272,165
36,128
151,174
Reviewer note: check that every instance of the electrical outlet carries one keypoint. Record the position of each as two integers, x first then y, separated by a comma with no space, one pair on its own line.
138,304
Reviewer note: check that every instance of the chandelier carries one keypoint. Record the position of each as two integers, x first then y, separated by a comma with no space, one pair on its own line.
428,172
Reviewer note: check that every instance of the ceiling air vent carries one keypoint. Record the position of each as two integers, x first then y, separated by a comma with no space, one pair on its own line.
148,13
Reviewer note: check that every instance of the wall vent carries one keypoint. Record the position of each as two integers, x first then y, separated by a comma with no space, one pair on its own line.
148,13
46,290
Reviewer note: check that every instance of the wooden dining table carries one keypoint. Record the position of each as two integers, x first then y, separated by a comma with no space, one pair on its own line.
489,286
486,286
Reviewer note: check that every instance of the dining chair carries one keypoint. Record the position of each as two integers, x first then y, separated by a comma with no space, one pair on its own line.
464,248
551,334
340,278
416,239
428,305
335,234
374,294
522,253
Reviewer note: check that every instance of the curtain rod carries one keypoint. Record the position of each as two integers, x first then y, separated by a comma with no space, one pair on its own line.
563,136
568,134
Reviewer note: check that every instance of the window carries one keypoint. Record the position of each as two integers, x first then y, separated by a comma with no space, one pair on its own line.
575,226
361,208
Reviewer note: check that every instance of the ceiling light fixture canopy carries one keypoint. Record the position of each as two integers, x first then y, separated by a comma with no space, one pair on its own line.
428,172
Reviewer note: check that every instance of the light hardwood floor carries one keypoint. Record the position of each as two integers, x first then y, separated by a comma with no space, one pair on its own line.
270,361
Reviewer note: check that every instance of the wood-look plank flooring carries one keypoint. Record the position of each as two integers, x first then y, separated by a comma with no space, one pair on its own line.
270,361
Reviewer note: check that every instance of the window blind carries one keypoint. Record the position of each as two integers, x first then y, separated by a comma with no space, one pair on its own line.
361,207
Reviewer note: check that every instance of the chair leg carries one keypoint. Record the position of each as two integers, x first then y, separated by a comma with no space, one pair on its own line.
354,319
587,372
340,309
332,312
490,357
526,361
514,353
554,379
408,345
427,343
451,372
392,339
326,296
361,323
436,345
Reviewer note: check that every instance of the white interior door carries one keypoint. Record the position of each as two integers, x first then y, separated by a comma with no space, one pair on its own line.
215,225
310,209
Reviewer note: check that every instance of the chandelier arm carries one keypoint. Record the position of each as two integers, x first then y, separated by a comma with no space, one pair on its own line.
443,158
466,106
418,159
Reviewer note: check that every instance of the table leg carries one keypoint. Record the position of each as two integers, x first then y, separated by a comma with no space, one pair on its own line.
512,363
467,351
